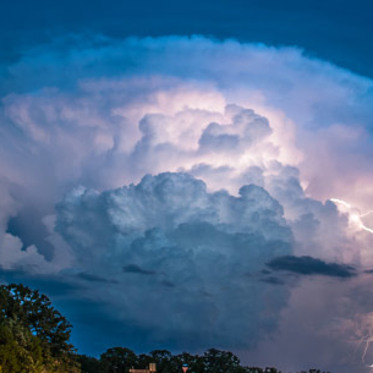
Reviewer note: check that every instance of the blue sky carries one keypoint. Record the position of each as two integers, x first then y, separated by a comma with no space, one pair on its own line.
334,30
193,175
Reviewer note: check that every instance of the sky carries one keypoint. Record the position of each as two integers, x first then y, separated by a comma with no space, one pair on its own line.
192,175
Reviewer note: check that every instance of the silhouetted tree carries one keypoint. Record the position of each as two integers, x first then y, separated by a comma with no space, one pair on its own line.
118,360
217,361
89,364
35,312
34,337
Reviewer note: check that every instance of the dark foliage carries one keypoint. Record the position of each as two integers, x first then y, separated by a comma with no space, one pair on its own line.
89,364
118,360
121,359
35,312
34,337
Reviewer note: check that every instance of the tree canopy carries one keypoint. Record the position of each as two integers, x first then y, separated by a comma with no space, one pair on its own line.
34,335
119,359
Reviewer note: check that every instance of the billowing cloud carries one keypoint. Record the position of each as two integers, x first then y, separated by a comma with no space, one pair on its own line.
169,171
182,254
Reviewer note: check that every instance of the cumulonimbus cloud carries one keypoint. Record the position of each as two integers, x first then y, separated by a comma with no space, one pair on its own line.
244,146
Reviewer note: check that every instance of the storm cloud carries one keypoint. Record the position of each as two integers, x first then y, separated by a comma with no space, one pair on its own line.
178,251
160,175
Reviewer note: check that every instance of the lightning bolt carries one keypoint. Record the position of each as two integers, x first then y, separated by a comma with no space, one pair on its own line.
340,201
366,341
367,213
355,215
365,328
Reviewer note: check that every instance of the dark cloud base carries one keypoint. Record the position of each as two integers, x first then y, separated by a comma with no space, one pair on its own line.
306,265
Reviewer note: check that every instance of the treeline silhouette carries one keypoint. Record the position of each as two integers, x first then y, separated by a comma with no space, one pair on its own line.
121,360
35,338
